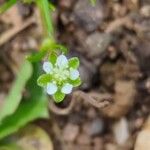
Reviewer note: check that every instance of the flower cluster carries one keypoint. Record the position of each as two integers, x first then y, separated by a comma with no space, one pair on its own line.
61,76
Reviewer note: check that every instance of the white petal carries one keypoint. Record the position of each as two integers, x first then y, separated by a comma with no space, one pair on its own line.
62,61
51,88
74,74
47,67
67,88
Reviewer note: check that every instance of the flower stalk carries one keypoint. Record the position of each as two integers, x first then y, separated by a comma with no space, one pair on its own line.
61,74
46,16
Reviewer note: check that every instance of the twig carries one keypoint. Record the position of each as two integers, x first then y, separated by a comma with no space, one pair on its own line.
96,99
12,32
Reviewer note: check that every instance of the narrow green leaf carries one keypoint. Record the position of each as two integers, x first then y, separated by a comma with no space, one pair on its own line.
14,97
59,97
74,62
44,79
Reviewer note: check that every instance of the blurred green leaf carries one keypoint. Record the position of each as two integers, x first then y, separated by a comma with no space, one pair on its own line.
7,5
10,147
33,107
37,57
14,97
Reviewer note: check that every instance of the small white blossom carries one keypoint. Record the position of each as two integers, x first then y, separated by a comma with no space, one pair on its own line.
61,76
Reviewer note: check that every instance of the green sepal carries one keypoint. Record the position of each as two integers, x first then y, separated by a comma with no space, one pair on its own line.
52,58
74,62
44,79
58,96
76,82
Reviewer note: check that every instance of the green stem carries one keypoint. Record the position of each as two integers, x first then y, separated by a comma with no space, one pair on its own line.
46,17
7,5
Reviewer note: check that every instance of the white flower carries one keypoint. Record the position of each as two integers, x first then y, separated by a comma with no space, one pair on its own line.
61,76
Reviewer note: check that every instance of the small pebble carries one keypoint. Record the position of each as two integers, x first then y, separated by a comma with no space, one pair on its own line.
98,143
88,17
97,43
83,139
145,11
70,132
94,128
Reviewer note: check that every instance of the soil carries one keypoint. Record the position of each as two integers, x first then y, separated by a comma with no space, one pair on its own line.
112,42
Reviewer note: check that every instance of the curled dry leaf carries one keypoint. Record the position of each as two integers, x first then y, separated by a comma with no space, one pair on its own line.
98,100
